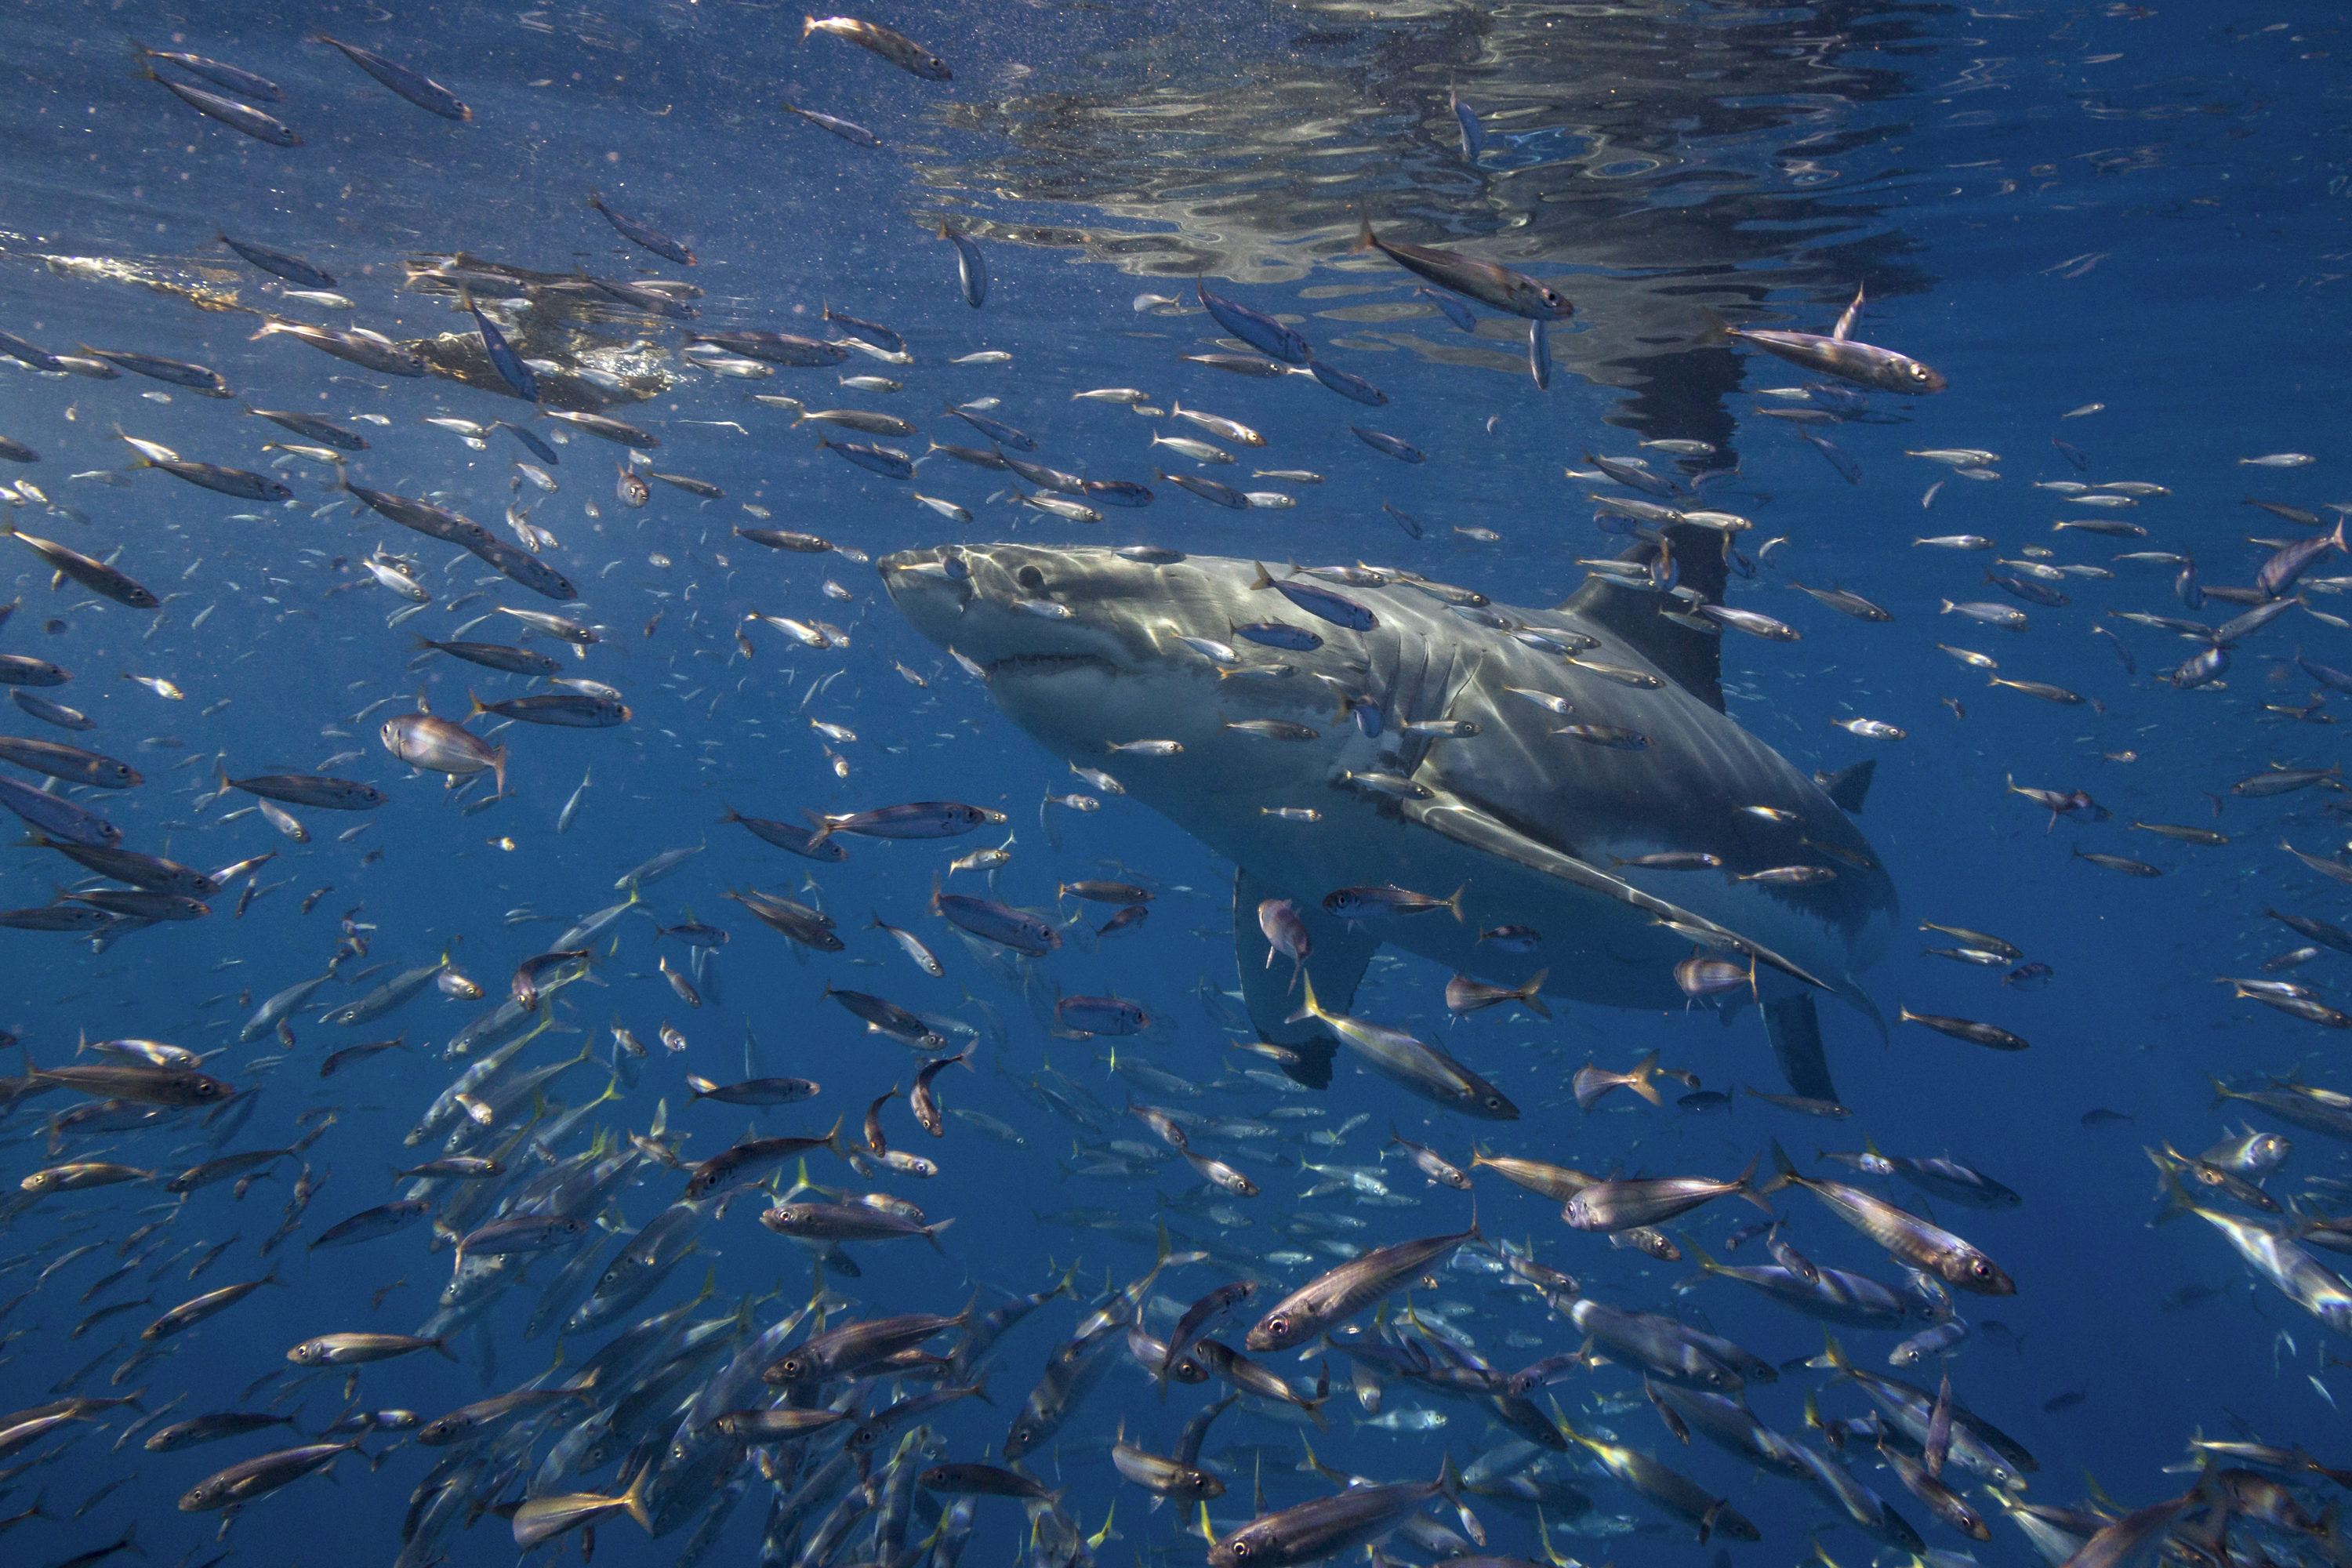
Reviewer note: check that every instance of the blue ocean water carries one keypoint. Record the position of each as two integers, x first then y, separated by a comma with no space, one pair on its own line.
2114,231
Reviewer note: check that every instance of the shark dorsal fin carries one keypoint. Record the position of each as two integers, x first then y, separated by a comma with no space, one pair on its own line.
1691,659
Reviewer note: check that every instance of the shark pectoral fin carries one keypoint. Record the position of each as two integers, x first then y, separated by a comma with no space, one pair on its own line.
1339,952
1466,825
1861,1001
1793,1024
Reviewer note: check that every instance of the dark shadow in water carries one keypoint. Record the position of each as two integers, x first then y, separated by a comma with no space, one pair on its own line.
1638,155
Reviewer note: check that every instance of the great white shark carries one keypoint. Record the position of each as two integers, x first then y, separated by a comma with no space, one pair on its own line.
1081,648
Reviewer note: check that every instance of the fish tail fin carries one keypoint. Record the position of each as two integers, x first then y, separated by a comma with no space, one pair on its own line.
1743,1183
1704,1265
1784,1172
2175,1200
932,1233
442,1345
1552,1554
475,706
1453,903
1365,239
1531,994
2220,1090
1644,1082
634,1500
1313,1408
1263,581
1310,1009
1718,330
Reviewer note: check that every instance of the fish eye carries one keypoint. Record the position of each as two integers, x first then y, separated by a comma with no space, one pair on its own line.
1029,578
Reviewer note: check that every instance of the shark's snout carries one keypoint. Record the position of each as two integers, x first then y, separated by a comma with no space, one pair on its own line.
1000,603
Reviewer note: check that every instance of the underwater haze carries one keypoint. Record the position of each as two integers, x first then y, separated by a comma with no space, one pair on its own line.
1048,782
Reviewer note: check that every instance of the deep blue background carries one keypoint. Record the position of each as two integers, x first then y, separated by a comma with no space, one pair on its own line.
2054,209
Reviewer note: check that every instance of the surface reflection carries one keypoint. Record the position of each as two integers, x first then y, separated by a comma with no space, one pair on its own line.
1635,156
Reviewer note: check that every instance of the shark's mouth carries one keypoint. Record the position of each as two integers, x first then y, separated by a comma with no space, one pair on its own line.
1046,664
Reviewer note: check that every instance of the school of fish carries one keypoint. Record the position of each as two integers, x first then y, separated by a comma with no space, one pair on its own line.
1547,1331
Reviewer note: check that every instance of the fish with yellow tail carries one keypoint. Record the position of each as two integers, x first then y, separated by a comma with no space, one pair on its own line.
1410,1062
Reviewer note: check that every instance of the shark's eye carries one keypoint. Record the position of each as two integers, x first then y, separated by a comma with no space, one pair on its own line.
1030,578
